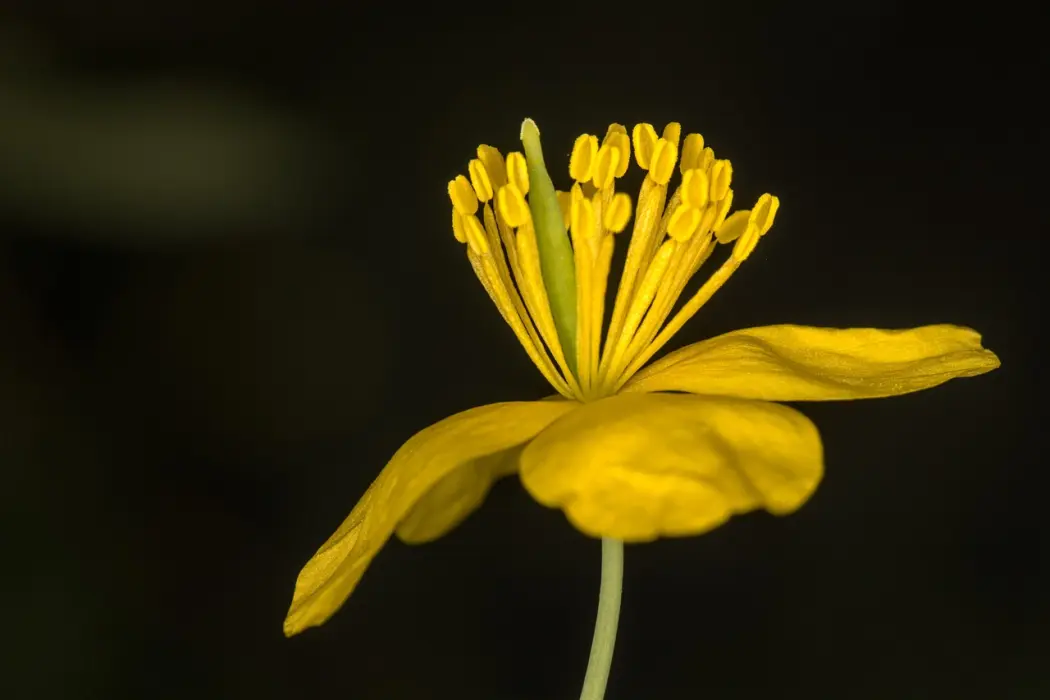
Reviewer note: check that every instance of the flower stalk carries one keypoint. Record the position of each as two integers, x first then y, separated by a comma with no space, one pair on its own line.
604,641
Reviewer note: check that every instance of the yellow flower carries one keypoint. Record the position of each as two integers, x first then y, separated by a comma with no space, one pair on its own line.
621,456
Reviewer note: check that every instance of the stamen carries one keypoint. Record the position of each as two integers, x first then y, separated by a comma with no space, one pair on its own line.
671,238
644,138
535,293
686,261
524,310
695,188
518,172
512,205
665,154
720,216
683,222
692,152
479,180
692,306
494,165
616,136
476,237
657,238
618,213
606,163
658,157
457,226
527,273
649,208
640,303
565,204
582,228
721,176
756,227
672,133
595,211
600,285
489,278
764,212
499,232
733,226
487,259
584,153
462,196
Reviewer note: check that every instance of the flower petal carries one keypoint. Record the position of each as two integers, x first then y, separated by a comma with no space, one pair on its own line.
639,466
455,496
802,363
430,456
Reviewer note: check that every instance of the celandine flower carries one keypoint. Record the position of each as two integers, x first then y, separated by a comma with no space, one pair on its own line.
628,454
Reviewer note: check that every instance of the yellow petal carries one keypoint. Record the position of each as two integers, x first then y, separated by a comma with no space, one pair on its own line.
637,466
423,463
457,495
802,363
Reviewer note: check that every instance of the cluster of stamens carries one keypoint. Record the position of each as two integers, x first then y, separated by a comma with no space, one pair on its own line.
672,237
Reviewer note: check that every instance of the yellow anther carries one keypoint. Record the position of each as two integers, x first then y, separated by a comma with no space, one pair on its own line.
479,179
683,223
661,168
457,226
695,188
475,235
512,206
576,193
518,172
722,211
673,236
746,243
644,138
707,159
581,162
565,204
494,165
692,152
605,166
673,133
617,136
764,212
622,143
617,213
462,195
733,226
721,176
582,214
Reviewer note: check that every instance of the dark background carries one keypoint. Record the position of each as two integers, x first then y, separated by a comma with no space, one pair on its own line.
229,291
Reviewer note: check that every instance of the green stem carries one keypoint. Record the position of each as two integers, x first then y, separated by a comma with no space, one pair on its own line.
608,618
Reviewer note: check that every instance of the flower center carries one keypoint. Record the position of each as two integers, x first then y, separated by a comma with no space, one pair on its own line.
671,239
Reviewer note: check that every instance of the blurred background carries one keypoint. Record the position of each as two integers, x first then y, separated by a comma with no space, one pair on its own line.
229,291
